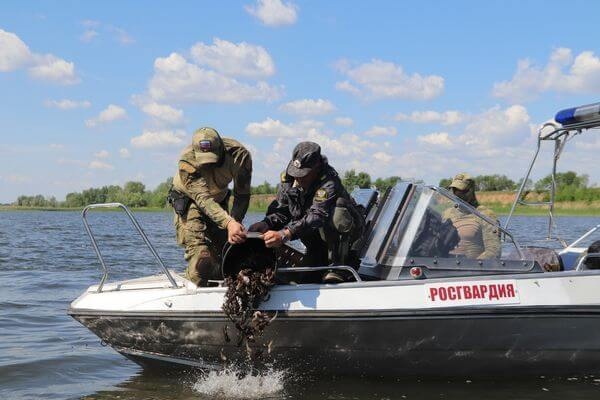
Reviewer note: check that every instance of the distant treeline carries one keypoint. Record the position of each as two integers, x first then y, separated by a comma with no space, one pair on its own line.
571,187
132,194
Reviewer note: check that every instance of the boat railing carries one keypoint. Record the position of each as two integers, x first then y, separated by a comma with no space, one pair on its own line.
567,125
560,136
136,226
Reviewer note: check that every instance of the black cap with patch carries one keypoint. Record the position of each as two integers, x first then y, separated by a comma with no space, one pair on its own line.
305,157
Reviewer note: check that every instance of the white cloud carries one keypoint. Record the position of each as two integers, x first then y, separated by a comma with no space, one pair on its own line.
88,35
124,153
121,35
346,145
163,112
275,128
425,117
109,114
51,68
66,104
381,131
486,133
102,154
231,59
380,79
67,161
497,124
562,74
496,140
441,139
308,107
176,80
383,157
344,121
269,128
346,86
342,150
93,29
274,12
56,146
95,164
90,23
14,54
157,139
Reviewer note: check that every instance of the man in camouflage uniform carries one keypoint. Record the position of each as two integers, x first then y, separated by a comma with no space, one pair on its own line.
478,239
203,225
312,205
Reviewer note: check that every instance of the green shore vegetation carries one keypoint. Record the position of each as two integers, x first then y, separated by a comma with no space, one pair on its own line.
573,196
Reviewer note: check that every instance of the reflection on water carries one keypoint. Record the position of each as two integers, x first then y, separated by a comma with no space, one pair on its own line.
46,261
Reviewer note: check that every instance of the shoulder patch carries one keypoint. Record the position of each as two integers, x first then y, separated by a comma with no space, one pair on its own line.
184,166
321,195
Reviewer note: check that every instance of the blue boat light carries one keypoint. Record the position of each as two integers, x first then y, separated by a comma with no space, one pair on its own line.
569,116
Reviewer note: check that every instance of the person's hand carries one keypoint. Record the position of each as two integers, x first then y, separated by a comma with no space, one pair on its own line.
273,238
235,232
260,226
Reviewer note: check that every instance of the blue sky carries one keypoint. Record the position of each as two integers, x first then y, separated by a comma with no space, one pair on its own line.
105,92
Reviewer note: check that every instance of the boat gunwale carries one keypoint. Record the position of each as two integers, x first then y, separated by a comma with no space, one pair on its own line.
466,311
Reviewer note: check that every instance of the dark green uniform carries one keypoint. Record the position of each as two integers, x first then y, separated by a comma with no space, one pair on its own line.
309,215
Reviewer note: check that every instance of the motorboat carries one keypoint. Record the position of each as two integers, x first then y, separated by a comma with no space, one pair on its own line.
416,305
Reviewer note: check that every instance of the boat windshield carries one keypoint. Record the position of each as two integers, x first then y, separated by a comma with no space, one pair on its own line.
438,225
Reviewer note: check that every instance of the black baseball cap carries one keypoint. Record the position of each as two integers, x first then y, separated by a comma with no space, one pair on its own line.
305,157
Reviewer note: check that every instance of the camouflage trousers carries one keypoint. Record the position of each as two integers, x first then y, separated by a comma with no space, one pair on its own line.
203,241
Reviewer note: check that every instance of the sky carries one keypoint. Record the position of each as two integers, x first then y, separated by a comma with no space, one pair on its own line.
100,93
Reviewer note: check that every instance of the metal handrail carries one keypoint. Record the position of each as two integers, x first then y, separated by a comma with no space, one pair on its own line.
309,269
140,231
560,135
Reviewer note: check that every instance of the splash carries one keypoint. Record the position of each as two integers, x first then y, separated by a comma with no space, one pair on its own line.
234,383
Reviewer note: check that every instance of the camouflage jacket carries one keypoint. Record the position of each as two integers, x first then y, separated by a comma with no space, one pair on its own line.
207,185
302,211
478,239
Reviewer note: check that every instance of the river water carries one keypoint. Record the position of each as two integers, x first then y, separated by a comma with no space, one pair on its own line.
46,261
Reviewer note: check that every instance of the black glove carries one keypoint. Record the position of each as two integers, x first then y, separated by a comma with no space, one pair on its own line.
260,226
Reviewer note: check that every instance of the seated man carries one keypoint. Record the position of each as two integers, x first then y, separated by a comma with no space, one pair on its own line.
478,239
312,205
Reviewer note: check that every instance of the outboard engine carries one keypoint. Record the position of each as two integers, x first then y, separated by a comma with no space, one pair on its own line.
252,254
